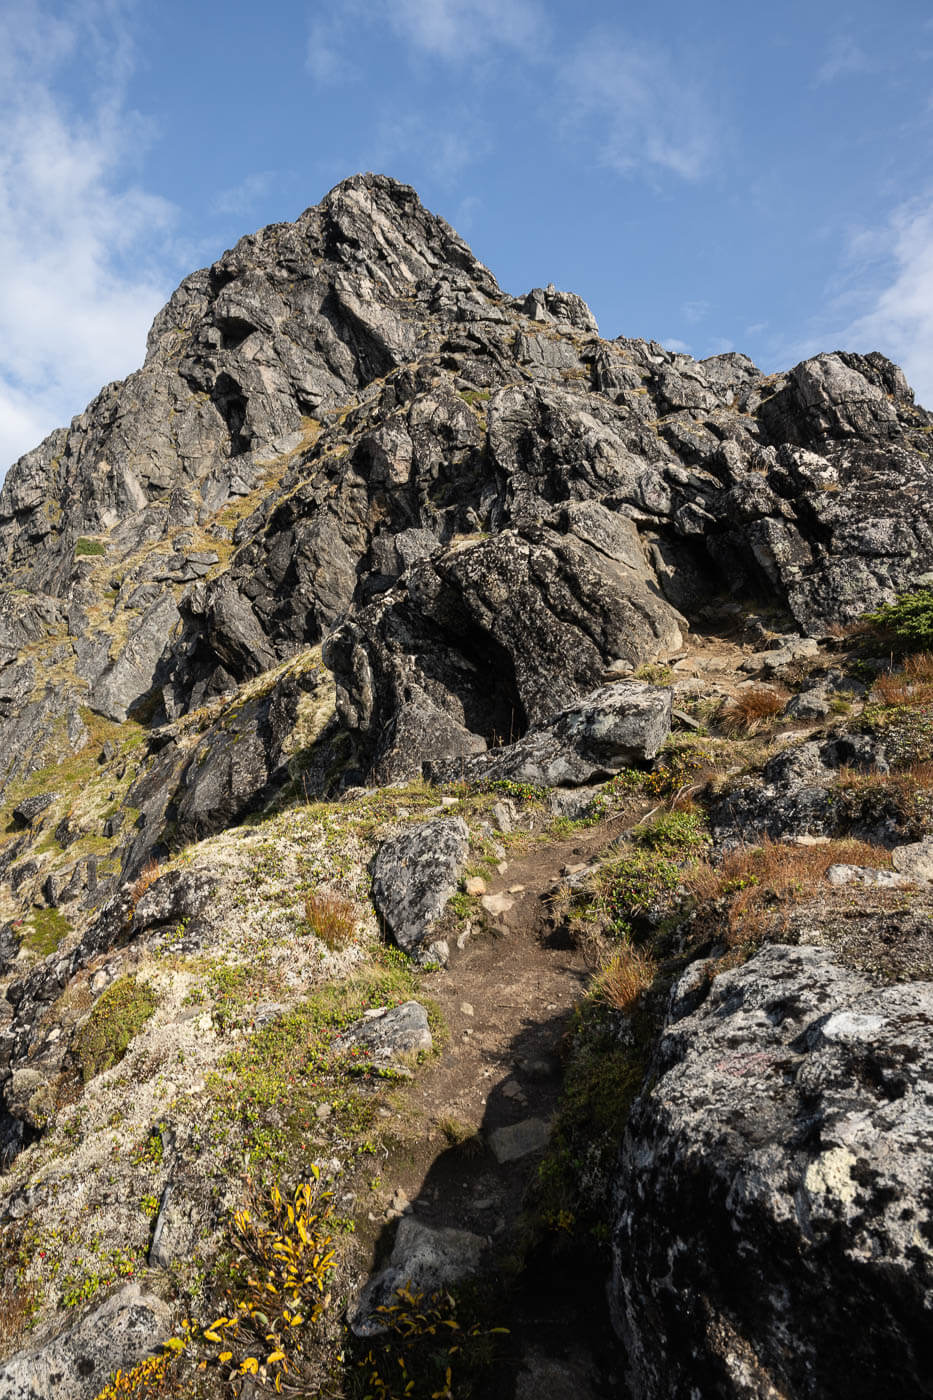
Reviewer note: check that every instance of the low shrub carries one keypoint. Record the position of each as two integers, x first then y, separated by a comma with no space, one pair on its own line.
908,621
88,547
284,1258
680,832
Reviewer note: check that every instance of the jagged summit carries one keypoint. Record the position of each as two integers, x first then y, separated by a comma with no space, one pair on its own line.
333,409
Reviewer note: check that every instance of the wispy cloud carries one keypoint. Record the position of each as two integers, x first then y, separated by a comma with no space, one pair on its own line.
694,311
899,319
645,113
241,198
844,59
79,274
464,29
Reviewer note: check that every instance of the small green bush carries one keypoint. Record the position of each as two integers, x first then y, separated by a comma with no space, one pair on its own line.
908,621
119,1015
674,833
86,546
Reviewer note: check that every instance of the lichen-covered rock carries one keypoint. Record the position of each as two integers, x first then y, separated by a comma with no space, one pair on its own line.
424,1258
613,728
78,1363
384,1035
775,1186
414,876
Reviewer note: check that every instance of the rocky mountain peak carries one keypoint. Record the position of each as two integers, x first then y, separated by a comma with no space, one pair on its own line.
380,604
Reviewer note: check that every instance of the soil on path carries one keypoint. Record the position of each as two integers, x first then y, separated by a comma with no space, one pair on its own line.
507,998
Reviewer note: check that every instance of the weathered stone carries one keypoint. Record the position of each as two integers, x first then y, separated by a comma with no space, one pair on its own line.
78,1363
414,876
385,1034
424,1258
789,1108
518,1140
916,860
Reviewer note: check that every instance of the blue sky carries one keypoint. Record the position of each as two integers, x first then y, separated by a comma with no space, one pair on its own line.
712,176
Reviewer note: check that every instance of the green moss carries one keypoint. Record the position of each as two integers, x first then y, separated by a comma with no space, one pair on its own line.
85,547
118,1016
47,928
268,1093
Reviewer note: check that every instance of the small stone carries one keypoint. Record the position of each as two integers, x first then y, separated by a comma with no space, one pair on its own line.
915,860
323,1110
475,885
502,867
516,889
466,1008
520,1139
497,904
450,801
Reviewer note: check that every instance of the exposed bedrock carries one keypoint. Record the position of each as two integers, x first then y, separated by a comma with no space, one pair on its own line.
772,1223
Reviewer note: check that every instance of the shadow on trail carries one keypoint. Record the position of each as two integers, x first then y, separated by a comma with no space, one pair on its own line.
546,1286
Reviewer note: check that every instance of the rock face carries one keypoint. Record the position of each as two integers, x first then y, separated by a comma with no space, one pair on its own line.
414,875
616,726
787,1137
78,1364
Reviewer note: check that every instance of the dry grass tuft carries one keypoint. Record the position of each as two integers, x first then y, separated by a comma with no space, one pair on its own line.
912,684
332,918
18,1306
625,978
147,876
751,710
756,882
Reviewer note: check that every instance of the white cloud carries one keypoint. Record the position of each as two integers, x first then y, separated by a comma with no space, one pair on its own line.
72,316
844,59
467,29
680,347
241,198
694,311
899,320
645,114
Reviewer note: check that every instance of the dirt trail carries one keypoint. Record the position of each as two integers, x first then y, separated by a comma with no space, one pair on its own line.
507,998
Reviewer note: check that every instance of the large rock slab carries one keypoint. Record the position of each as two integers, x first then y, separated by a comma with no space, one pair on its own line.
615,727
772,1221
414,876
77,1364
424,1258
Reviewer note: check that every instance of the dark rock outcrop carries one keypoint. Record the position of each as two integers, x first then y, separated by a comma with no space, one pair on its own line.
775,1186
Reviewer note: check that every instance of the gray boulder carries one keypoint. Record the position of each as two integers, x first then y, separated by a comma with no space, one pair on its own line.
615,727
414,876
384,1034
772,1216
77,1364
423,1258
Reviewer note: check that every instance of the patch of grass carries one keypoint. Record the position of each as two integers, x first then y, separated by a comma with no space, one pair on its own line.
267,1093
47,929
655,673
625,978
739,898
751,710
119,1015
910,684
680,832
632,884
332,918
601,1081
85,547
